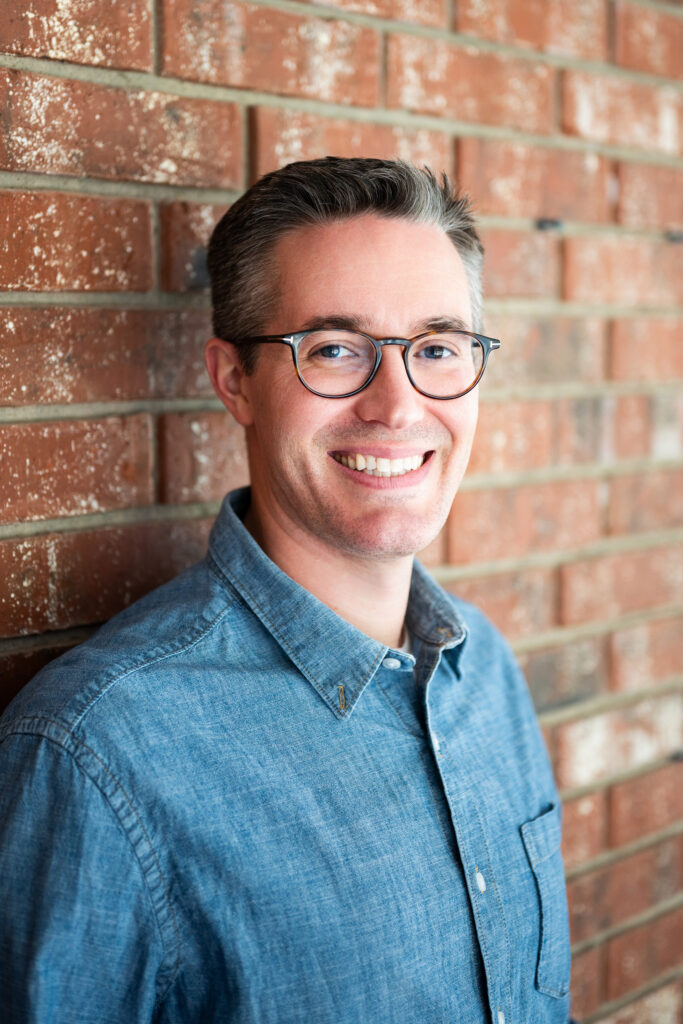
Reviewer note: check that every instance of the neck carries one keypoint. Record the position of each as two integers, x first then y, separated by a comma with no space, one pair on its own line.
370,594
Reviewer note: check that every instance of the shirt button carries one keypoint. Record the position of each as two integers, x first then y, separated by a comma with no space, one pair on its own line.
481,882
391,663
501,1017
435,743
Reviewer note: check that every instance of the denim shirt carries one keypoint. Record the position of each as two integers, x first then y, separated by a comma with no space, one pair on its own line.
230,805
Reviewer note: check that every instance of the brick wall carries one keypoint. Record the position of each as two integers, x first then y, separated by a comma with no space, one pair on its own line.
128,126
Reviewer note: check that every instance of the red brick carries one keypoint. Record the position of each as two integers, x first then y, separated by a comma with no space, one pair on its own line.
520,603
185,232
558,26
75,243
650,197
57,126
115,33
543,351
586,982
646,501
606,108
600,747
664,1006
645,805
57,581
626,271
642,953
646,655
432,76
425,12
506,523
201,456
513,179
648,40
602,588
98,355
520,264
71,468
281,136
19,667
566,674
647,349
584,828
514,436
605,898
249,46
631,427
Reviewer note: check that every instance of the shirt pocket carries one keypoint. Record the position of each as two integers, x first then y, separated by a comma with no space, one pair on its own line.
541,838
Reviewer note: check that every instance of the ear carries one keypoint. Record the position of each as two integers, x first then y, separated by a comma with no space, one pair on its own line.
229,380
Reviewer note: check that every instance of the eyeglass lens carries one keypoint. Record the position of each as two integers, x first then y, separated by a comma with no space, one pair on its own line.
335,362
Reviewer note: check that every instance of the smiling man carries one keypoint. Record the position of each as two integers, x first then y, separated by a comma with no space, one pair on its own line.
301,783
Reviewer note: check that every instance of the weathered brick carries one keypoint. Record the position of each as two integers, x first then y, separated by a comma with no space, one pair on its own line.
57,581
185,232
607,897
648,40
520,603
647,349
597,748
517,180
566,674
505,523
606,108
76,243
545,350
650,197
281,136
629,426
584,828
586,982
645,805
513,436
96,355
625,271
423,12
646,655
612,585
57,126
201,456
432,76
115,33
521,264
70,468
646,501
558,26
252,47
643,953
664,1006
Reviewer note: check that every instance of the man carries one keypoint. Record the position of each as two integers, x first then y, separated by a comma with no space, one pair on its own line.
300,782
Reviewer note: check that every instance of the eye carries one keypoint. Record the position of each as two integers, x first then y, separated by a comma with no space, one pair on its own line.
333,352
436,352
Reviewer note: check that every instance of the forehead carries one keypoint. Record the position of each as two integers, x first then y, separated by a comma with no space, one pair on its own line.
389,272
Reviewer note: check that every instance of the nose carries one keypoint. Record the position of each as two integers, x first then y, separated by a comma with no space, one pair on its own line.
390,399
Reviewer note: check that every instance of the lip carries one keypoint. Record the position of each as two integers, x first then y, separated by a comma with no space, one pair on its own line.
379,483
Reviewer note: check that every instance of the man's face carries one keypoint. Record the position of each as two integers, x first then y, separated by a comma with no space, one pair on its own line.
394,278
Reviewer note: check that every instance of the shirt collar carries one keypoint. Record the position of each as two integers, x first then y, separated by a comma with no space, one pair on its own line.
326,649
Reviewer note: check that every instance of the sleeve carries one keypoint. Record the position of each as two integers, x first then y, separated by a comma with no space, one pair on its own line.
78,939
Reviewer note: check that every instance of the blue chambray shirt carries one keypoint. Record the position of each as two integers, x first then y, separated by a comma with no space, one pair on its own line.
229,805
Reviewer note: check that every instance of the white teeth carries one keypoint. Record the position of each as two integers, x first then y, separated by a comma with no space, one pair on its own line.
378,466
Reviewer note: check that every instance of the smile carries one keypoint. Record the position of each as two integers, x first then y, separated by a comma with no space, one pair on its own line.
373,465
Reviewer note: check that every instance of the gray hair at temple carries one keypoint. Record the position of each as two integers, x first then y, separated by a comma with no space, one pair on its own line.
242,267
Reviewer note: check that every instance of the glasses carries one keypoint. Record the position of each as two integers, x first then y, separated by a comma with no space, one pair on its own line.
336,363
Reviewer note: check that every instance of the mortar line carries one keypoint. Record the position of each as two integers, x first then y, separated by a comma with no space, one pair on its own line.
562,636
628,775
607,702
607,1010
660,909
143,81
619,853
113,517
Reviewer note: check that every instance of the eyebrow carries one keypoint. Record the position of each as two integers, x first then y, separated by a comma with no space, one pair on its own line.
360,323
